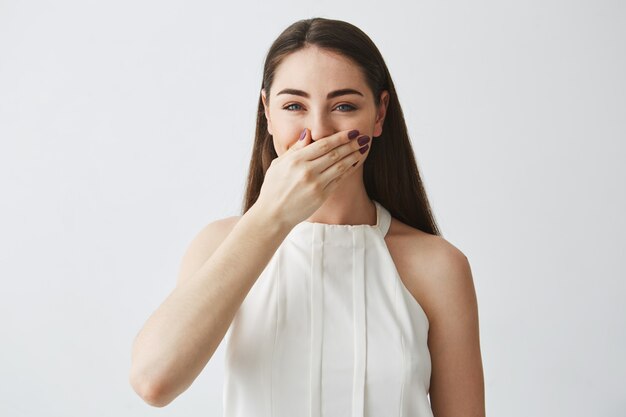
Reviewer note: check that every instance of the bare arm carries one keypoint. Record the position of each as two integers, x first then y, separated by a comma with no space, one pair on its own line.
180,337
457,382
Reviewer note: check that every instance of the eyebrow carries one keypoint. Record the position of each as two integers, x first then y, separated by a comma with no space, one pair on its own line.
332,94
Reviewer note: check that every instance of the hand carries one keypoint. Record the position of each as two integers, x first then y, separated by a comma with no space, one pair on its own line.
301,179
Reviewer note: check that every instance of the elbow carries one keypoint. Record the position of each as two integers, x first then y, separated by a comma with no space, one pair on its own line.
151,393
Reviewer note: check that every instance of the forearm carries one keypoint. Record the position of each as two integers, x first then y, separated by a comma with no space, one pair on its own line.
181,336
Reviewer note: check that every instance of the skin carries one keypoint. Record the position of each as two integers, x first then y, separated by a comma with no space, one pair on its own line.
435,272
318,72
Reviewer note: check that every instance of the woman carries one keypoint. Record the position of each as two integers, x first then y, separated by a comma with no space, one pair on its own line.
339,295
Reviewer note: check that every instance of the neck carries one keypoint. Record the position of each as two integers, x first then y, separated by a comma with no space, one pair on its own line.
349,204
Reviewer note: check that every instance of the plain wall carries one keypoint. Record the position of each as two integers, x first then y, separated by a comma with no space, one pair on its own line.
126,126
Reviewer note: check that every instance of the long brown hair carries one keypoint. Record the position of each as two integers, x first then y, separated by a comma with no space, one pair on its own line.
390,172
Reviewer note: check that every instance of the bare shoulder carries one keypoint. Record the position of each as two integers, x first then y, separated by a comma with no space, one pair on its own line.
219,226
203,244
429,266
439,276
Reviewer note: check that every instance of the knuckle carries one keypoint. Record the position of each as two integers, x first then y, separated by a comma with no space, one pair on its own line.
324,146
306,176
291,163
317,187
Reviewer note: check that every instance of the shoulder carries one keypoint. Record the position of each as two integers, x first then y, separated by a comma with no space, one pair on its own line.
439,276
432,269
214,232
203,244
220,226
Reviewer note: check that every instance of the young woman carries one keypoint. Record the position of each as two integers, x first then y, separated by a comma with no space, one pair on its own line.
338,294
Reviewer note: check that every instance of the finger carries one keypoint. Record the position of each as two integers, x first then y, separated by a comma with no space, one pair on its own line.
322,146
301,142
339,169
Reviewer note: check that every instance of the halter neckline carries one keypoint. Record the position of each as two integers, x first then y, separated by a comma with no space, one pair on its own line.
383,221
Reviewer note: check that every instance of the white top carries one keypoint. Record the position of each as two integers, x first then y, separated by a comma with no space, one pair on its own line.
329,329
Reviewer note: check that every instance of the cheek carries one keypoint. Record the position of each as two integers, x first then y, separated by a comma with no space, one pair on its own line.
284,139
285,133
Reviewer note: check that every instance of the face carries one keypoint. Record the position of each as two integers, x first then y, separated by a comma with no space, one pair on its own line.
317,73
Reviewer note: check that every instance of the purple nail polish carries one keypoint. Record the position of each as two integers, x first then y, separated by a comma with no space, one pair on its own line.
364,149
303,134
363,140
353,134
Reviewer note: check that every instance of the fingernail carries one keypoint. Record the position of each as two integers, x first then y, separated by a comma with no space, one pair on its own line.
363,140
355,163
353,134
303,134
364,149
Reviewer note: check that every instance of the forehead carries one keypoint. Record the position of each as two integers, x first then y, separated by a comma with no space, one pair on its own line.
318,71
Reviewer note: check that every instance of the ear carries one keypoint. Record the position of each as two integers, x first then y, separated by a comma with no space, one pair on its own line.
267,111
380,113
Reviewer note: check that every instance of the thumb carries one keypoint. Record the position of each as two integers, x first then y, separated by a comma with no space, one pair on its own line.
301,143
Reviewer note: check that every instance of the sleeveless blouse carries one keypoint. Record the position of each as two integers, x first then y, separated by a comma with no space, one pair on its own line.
329,329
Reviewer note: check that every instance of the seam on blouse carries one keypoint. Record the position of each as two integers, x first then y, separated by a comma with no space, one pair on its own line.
276,310
395,301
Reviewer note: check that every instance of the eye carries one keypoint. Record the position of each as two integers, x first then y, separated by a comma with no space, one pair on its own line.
289,105
350,107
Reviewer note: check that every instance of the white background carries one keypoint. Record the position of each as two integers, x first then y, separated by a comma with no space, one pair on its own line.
126,126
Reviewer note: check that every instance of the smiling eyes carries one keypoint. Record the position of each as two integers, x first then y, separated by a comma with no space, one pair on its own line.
351,107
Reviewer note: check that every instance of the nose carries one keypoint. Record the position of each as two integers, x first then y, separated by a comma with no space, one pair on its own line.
320,126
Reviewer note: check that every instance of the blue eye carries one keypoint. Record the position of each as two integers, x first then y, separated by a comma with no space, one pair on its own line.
287,107
351,107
